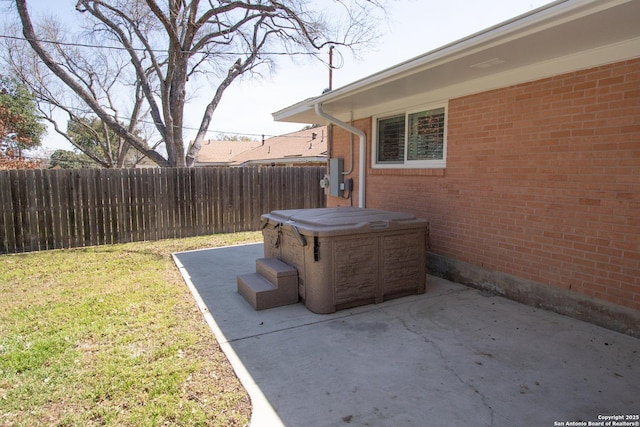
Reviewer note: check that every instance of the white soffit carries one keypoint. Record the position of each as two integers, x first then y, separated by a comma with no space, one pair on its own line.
562,37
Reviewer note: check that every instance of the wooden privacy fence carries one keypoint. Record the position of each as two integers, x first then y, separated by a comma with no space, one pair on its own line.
51,209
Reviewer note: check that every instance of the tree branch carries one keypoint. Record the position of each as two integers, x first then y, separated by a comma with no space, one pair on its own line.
30,35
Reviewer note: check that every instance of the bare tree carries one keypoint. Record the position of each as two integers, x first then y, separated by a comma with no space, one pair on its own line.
138,56
102,75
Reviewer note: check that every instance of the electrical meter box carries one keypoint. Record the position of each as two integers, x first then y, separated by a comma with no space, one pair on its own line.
336,178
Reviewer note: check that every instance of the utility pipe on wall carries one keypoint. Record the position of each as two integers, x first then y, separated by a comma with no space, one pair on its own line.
350,149
363,149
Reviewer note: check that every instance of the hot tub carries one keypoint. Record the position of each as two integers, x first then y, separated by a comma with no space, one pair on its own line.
346,257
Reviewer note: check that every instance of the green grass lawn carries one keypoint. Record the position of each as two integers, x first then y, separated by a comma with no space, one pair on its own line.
110,335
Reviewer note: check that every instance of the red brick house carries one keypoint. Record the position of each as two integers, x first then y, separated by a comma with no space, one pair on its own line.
521,147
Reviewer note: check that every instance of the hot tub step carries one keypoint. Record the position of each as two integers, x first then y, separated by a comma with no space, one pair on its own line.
273,285
276,271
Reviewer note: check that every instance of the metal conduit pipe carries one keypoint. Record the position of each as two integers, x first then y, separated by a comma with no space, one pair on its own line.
363,146
350,149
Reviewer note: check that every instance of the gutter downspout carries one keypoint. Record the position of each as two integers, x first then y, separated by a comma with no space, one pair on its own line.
363,152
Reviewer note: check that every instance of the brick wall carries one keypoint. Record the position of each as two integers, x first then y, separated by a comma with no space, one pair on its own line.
542,182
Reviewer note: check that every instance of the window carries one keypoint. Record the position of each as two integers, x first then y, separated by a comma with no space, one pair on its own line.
414,139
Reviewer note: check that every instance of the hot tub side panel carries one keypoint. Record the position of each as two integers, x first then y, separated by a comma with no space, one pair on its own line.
403,262
365,268
353,279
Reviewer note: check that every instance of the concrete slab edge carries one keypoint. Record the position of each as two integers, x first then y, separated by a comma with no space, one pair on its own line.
262,413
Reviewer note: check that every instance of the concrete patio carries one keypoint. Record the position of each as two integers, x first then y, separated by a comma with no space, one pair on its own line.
451,357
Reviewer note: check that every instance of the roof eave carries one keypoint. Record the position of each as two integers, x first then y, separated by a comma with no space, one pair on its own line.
535,21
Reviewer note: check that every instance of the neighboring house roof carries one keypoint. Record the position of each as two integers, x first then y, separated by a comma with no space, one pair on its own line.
305,146
564,36
213,153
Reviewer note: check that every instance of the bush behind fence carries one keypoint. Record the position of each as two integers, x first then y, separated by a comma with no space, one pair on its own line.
52,209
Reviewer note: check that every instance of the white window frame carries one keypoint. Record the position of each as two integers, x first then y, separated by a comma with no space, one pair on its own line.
409,164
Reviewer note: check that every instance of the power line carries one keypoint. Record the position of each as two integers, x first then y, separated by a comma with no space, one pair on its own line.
208,131
120,48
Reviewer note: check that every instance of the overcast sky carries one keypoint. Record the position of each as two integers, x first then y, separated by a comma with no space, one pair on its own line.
414,27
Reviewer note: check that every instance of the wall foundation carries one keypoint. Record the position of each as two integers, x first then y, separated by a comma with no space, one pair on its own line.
562,301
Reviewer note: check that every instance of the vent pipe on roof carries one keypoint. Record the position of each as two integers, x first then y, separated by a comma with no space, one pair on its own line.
363,146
